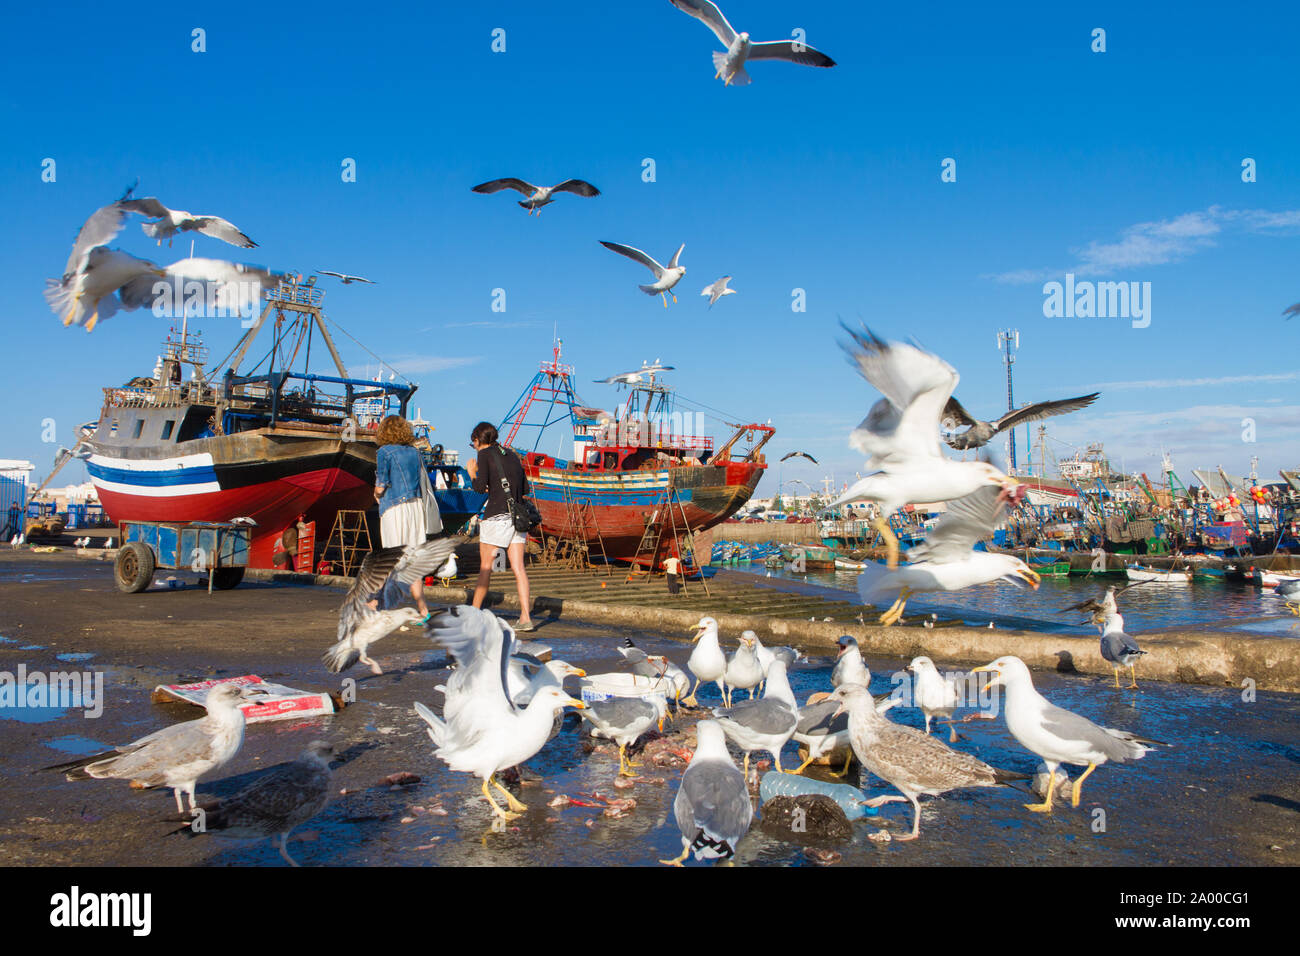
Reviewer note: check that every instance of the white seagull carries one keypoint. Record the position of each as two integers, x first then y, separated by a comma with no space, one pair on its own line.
730,64
744,669
538,196
1118,648
178,756
382,574
717,290
707,662
948,561
665,277
1056,734
344,277
901,434
712,807
849,666
935,694
767,723
165,223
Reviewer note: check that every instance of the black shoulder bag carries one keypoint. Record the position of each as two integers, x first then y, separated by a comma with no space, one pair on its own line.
523,513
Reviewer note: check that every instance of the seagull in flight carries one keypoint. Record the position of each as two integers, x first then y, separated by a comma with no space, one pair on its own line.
665,277
347,279
635,378
730,64
538,196
717,290
799,454
164,223
978,433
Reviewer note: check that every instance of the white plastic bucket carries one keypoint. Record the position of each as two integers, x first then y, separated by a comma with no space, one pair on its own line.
604,686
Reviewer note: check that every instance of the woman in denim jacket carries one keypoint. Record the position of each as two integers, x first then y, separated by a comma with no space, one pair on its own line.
397,489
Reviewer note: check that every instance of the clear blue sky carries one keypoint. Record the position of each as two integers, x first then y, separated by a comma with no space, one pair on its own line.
1117,165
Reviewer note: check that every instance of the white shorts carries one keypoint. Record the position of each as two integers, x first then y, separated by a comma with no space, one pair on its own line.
499,531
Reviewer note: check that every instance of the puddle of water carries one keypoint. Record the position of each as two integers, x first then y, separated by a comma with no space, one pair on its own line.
71,658
32,647
7,640
77,745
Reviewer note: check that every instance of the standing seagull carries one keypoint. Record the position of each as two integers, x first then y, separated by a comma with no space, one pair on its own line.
744,669
764,724
623,720
538,196
933,693
1118,648
1055,734
912,762
730,63
665,278
287,796
901,434
177,756
849,666
947,560
717,290
707,662
712,807
978,433
382,572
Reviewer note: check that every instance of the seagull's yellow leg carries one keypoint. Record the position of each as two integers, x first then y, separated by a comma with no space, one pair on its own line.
776,759
746,766
664,296
1074,795
689,700
92,321
677,860
1046,805
804,766
896,612
496,807
1116,670
624,762
891,542
1133,677
510,797
674,295
884,618
848,762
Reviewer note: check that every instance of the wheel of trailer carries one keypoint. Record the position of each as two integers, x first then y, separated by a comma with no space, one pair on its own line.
134,567
223,579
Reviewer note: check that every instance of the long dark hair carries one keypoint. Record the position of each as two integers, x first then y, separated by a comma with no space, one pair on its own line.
484,433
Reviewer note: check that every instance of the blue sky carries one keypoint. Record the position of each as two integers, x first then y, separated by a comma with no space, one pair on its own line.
1122,165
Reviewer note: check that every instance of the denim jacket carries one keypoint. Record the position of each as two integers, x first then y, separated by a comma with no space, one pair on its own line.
397,470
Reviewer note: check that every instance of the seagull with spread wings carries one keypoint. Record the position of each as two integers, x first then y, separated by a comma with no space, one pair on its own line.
901,434
798,454
347,279
717,290
665,276
730,63
538,196
361,619
978,433
947,560
164,223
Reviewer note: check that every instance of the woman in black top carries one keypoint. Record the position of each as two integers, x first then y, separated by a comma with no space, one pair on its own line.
496,529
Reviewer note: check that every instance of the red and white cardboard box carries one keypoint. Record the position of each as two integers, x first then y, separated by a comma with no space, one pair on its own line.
279,703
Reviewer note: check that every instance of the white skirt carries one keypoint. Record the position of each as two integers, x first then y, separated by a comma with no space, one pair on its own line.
402,524
499,531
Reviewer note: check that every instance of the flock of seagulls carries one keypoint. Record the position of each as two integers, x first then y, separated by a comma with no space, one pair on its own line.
97,281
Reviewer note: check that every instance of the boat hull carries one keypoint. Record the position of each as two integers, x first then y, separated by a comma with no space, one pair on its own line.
623,501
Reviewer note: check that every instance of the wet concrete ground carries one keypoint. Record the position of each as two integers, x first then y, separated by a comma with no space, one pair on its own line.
1226,792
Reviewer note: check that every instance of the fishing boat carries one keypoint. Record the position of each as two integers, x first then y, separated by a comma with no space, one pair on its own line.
639,484
1136,572
272,445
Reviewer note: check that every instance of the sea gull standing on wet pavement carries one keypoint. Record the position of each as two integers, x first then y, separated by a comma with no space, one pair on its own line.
912,762
730,63
665,276
744,670
935,694
707,662
901,434
1119,648
767,723
717,290
849,666
178,756
1056,734
979,433
623,720
381,575
287,796
712,807
948,559
538,196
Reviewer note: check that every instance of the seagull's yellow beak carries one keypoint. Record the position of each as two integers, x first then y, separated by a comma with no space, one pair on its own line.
576,704
578,672
698,634
989,669
1030,577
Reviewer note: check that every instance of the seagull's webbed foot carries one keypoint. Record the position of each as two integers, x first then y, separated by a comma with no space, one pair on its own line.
1078,785
803,766
875,802
677,860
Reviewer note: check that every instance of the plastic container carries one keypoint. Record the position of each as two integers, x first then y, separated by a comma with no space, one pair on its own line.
604,686
850,799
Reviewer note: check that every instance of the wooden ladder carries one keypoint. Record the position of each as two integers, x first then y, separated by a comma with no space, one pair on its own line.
668,509
346,537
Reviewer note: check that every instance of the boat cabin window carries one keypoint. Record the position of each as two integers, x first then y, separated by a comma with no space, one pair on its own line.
139,428
112,431
167,428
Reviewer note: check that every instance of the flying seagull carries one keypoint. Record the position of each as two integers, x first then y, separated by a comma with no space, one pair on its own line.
978,433
538,196
665,278
798,454
901,434
730,64
347,279
1055,734
717,290
1293,310
1100,607
164,223
381,575
632,378
177,756
287,796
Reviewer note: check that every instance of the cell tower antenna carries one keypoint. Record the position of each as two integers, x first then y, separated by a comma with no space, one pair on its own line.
1008,342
